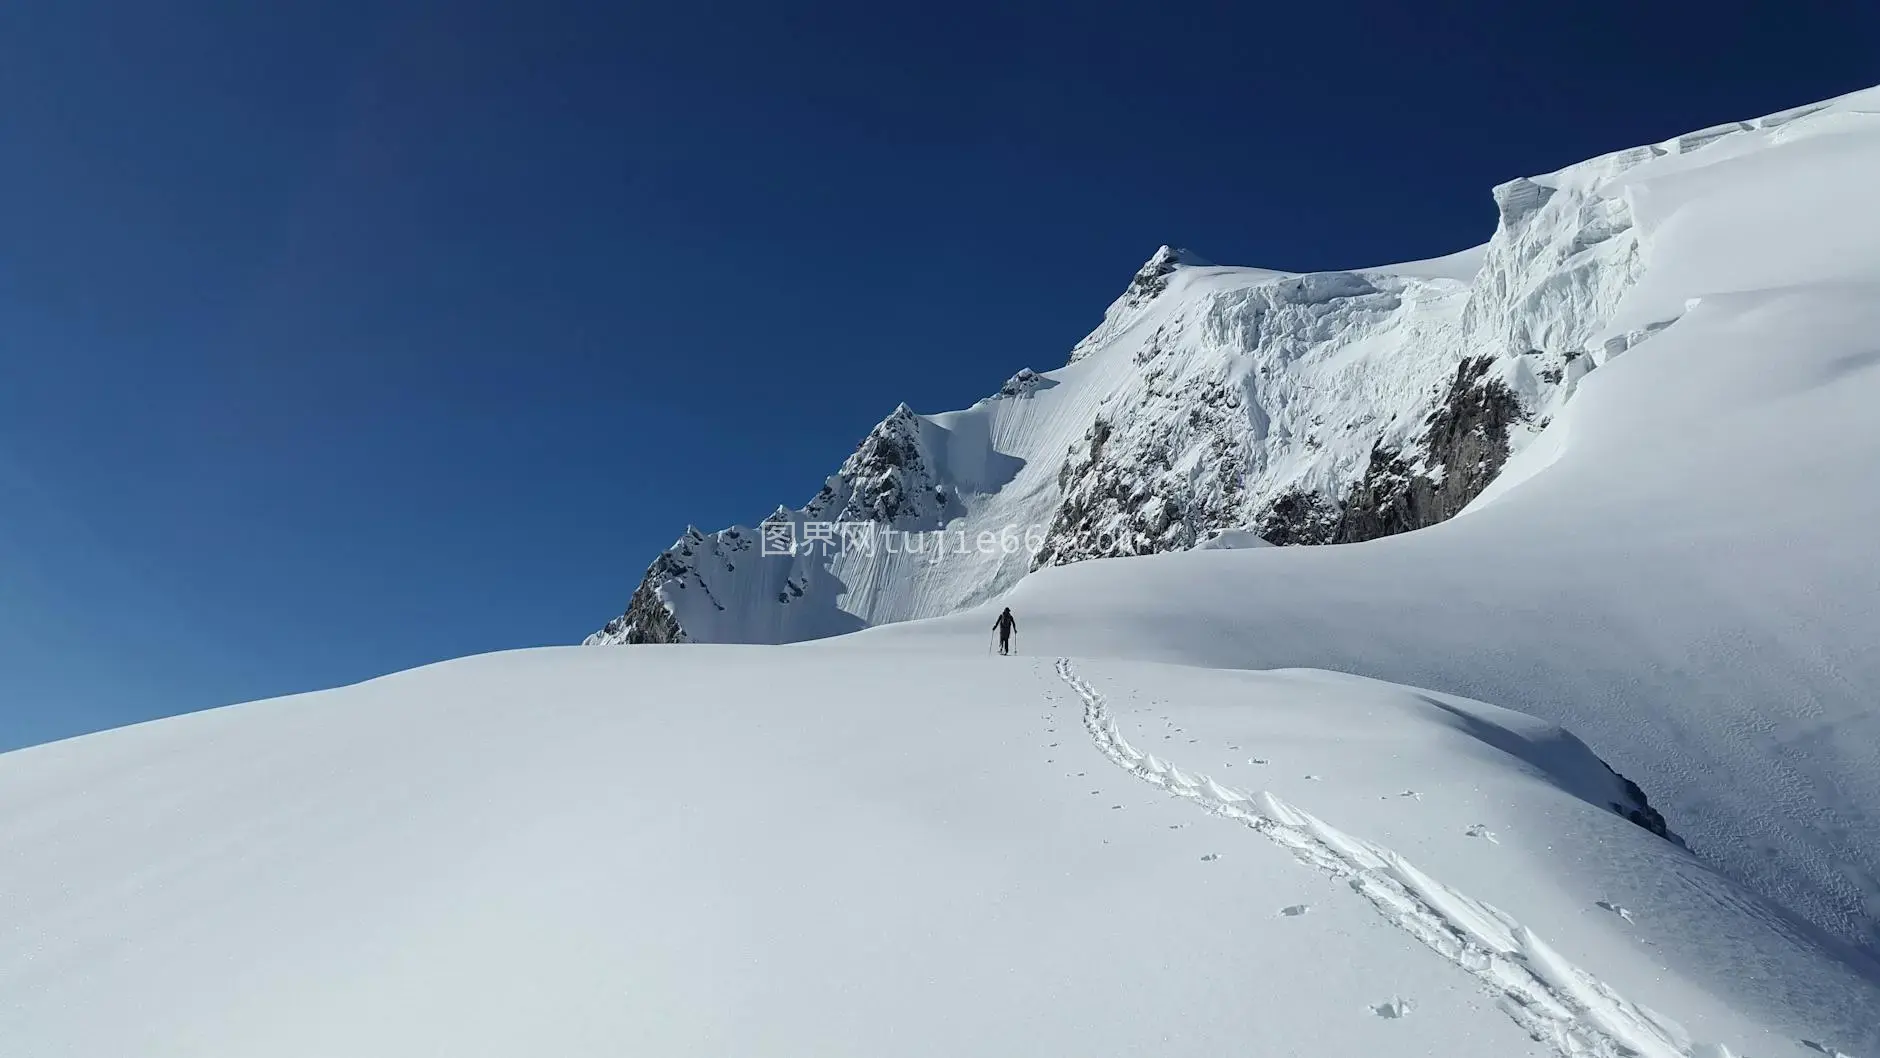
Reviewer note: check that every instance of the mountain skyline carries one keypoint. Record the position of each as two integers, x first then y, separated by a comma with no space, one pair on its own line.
1212,402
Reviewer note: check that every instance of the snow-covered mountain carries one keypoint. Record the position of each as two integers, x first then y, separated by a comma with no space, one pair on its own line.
1310,408
1681,568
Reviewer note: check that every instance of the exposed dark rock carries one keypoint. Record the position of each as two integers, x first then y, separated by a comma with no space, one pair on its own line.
1139,504
885,480
1640,811
1299,517
1023,384
1152,278
1463,447
648,620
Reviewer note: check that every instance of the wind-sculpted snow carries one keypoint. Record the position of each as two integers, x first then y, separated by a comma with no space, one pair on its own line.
1556,1002
1552,1000
1327,407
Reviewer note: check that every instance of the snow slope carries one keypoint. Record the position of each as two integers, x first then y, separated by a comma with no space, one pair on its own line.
752,851
1682,569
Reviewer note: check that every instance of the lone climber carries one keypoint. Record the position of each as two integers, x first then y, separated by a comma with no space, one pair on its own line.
1006,625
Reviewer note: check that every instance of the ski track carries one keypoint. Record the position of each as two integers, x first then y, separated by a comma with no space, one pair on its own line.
1554,1001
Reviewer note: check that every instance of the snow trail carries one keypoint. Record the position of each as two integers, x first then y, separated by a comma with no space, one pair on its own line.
1554,1001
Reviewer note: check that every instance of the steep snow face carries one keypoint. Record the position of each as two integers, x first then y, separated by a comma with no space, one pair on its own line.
1314,408
1149,283
1243,392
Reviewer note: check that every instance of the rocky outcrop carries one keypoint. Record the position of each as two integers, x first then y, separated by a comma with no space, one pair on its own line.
1640,811
1023,384
1165,492
1114,509
647,619
1460,453
889,479
1148,284
1299,517
1152,278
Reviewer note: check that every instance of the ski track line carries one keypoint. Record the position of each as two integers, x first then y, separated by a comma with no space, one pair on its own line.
1554,1001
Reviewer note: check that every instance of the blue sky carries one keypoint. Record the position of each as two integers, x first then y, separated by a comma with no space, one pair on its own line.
340,338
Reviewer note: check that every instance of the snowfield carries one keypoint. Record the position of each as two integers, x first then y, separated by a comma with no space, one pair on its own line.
722,850
1229,798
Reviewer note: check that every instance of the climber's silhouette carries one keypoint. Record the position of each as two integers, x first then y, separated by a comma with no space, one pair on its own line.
1005,625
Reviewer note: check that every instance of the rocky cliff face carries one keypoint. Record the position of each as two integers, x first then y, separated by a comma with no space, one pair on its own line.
888,480
1318,408
1463,447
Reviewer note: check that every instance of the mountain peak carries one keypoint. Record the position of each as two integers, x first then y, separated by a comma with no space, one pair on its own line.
1152,278
1166,258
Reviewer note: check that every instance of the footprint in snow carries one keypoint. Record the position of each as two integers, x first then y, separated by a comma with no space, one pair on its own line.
1480,830
1295,910
1396,1008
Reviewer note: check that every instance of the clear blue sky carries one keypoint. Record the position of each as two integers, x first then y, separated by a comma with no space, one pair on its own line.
338,338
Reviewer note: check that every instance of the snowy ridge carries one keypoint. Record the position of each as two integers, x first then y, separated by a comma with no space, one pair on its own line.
1149,282
1308,408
